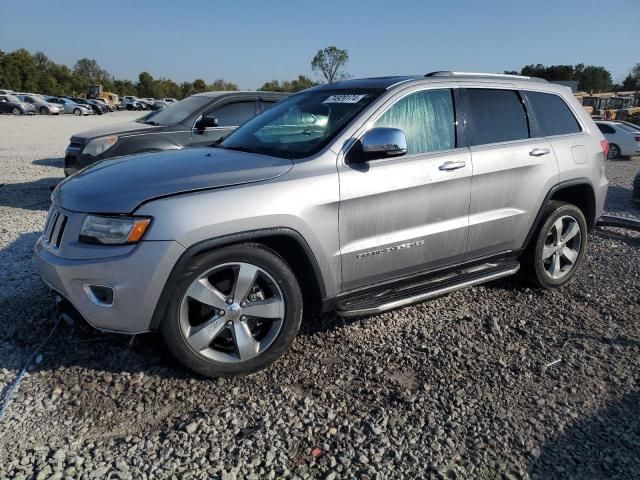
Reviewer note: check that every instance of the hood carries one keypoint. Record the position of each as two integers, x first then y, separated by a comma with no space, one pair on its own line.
114,129
121,184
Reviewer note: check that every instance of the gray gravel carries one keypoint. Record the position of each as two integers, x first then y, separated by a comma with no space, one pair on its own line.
498,381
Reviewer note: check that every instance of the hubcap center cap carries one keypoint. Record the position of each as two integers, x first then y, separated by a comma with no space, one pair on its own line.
234,310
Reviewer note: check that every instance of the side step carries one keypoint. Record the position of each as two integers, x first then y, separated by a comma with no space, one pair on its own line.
407,293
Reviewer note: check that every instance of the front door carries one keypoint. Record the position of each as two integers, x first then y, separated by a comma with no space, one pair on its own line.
230,116
407,214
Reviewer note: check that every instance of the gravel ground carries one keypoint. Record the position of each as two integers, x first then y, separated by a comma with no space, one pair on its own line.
498,381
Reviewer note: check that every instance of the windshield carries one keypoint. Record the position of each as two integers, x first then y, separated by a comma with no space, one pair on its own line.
178,111
13,98
302,124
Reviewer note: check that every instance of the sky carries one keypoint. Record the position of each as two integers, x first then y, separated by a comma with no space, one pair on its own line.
251,42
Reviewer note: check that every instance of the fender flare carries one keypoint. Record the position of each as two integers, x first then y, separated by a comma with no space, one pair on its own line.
552,191
225,240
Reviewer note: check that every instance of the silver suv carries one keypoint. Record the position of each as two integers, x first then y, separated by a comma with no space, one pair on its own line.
355,197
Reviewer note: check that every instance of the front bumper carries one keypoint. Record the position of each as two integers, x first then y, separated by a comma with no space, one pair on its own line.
137,279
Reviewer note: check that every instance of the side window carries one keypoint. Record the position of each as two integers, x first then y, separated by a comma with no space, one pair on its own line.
605,128
427,119
234,114
552,114
496,116
266,104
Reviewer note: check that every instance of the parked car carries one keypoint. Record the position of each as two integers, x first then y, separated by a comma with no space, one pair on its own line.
132,103
201,119
11,104
158,105
42,106
357,197
96,109
110,107
623,138
169,100
69,106
5,91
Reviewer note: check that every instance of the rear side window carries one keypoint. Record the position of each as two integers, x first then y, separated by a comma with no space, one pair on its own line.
496,116
605,128
553,115
427,119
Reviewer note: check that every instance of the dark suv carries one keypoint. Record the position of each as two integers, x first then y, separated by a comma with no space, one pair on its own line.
199,120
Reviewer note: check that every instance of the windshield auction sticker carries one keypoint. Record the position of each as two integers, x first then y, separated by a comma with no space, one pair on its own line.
344,99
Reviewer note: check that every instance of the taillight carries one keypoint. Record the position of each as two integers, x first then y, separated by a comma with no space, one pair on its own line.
605,147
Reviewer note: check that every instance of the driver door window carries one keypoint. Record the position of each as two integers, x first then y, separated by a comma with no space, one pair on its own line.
427,119
234,114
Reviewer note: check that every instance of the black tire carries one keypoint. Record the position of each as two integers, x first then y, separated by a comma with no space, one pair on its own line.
16,111
636,188
614,151
534,266
254,254
77,112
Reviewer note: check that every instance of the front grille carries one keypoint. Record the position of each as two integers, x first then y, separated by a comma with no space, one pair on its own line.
54,228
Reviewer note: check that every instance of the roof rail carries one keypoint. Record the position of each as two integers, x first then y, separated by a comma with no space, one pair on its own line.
446,73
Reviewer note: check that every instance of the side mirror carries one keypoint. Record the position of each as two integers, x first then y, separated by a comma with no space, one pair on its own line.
207,122
378,143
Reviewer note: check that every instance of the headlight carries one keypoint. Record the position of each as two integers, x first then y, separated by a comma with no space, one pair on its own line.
113,230
99,145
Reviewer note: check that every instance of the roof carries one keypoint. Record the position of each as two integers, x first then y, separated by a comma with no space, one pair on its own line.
222,93
374,82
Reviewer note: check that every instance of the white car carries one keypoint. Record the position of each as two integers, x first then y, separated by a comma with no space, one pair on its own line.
623,138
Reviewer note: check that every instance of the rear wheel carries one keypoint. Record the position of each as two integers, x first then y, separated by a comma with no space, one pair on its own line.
44,111
614,151
558,246
233,311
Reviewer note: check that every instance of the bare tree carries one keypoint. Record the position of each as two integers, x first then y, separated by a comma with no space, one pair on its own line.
329,63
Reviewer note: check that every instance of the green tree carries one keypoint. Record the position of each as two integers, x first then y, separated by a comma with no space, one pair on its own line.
199,86
222,85
330,62
296,85
146,85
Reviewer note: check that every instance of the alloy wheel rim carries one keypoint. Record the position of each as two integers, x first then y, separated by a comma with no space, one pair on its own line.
562,247
232,313
613,151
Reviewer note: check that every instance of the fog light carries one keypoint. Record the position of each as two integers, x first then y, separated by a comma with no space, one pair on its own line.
100,295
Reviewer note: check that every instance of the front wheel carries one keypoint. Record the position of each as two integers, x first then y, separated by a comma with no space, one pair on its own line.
558,247
44,111
233,311
16,111
77,112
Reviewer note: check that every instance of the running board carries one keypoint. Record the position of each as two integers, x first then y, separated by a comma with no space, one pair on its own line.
409,293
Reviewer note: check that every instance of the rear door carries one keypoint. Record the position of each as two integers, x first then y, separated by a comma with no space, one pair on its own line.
230,115
407,214
512,170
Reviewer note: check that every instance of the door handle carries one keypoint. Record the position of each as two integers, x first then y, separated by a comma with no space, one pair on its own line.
448,166
538,152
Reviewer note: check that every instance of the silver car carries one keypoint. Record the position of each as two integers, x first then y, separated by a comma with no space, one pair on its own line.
355,197
42,106
69,106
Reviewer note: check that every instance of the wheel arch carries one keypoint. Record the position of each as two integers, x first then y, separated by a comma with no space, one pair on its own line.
288,243
578,192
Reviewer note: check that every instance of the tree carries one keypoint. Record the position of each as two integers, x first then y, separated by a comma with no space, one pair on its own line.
589,77
199,86
222,85
632,81
329,62
146,85
296,85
